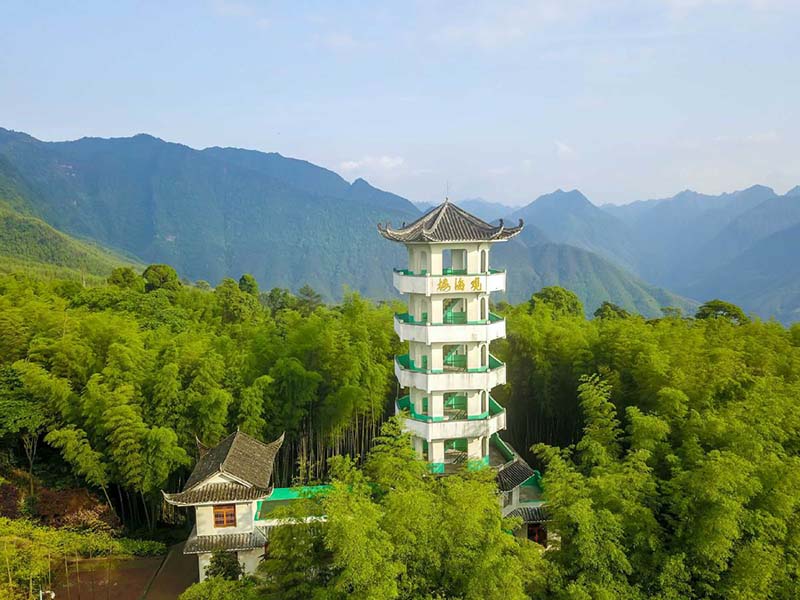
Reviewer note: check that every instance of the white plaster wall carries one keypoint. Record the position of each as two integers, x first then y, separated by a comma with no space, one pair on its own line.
203,560
436,404
250,559
474,402
474,448
436,452
204,517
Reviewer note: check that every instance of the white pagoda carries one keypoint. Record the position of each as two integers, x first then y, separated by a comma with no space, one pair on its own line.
449,372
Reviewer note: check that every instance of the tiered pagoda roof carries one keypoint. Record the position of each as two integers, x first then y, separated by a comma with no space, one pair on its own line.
244,460
449,223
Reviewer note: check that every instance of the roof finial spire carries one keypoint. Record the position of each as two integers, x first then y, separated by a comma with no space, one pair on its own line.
447,191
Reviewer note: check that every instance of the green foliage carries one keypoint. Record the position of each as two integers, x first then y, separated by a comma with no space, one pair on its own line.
217,588
560,300
29,552
126,277
670,455
224,565
609,310
393,530
719,309
120,382
29,241
160,277
248,284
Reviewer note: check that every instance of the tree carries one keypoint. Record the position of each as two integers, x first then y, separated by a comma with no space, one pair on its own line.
278,299
608,310
719,309
248,284
455,546
236,305
161,277
127,278
308,300
561,301
224,565
217,588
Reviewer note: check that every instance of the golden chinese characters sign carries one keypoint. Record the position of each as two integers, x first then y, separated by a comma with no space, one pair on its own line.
443,284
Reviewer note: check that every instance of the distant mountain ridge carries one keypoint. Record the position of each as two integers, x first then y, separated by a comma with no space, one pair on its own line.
219,212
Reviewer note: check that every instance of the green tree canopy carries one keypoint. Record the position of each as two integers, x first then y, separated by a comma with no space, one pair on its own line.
560,301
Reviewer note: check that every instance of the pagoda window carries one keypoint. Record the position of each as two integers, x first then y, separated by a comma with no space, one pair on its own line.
484,356
483,309
225,515
454,262
484,262
423,263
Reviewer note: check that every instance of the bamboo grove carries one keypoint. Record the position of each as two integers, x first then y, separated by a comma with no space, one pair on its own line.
670,447
120,381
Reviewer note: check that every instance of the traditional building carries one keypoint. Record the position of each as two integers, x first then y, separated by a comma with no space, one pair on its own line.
233,497
449,372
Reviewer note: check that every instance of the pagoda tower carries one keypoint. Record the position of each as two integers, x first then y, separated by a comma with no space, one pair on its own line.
449,372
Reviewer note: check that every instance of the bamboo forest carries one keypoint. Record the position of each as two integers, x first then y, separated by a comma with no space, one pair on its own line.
669,448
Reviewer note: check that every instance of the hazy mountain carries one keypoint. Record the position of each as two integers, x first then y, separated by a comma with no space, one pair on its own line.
224,211
570,218
771,216
215,213
764,279
671,233
589,275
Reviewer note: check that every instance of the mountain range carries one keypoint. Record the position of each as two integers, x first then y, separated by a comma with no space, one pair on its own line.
220,212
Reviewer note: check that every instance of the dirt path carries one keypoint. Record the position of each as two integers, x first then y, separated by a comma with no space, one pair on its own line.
177,572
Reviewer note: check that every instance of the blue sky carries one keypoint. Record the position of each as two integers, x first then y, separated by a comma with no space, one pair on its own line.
623,99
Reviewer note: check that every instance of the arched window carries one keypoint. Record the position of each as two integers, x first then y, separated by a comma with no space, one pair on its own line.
484,355
484,401
484,262
423,262
483,309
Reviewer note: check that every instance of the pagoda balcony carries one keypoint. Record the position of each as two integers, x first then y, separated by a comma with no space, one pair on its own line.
443,427
432,333
429,380
409,282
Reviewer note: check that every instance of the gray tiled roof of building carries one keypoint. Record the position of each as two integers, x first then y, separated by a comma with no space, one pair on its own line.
240,456
197,544
513,474
449,223
217,492
530,514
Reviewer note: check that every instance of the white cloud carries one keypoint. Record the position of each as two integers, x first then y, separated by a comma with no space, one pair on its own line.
373,163
564,151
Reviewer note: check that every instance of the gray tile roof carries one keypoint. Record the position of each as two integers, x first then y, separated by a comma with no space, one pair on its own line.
240,456
197,544
530,514
449,223
213,493
513,474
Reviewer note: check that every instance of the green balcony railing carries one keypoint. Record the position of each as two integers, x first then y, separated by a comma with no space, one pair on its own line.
455,361
455,409
458,361
446,272
455,318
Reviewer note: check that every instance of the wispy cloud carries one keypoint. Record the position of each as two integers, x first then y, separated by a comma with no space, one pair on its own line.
373,163
564,151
